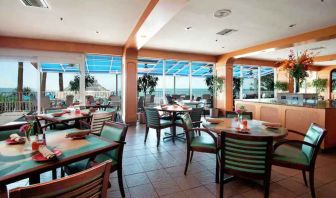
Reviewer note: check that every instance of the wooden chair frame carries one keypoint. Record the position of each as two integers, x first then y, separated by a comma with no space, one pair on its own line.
311,167
266,177
92,189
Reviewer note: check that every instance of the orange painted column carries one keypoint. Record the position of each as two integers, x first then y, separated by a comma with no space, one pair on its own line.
224,99
129,85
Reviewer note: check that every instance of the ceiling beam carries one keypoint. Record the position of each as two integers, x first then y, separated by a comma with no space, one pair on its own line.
331,57
62,46
300,39
156,15
165,54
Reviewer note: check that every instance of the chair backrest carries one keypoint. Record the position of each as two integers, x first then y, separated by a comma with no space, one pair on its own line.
152,117
98,119
187,125
116,132
246,115
315,136
92,182
69,100
246,156
196,114
169,99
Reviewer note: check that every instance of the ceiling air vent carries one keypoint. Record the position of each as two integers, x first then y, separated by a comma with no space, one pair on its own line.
35,3
226,32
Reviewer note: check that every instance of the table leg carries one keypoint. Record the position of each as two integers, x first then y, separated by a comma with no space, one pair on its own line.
3,191
34,179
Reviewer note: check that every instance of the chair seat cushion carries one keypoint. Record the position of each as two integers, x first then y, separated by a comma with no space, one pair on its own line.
104,157
165,123
76,166
204,141
290,154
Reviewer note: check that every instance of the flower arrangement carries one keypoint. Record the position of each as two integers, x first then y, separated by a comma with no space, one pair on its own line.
240,110
297,66
28,128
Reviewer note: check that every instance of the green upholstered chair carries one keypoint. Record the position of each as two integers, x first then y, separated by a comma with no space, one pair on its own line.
113,131
153,121
206,143
246,157
7,130
299,154
89,183
58,126
246,115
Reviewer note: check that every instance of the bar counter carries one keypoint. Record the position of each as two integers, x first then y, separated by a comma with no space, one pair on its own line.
296,117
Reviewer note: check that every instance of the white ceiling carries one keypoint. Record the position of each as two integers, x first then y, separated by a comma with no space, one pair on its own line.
257,21
329,47
113,19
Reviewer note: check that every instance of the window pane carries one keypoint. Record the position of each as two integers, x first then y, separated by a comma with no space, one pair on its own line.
250,82
267,82
200,71
236,81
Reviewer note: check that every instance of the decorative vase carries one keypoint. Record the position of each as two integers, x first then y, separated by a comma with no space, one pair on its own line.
239,120
296,85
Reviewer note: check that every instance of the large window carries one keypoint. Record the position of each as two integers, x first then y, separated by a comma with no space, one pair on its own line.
253,82
177,78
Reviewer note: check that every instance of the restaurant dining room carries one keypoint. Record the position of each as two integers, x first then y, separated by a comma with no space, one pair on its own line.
167,98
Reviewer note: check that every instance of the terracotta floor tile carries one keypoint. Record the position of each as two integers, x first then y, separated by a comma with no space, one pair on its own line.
199,192
136,179
143,191
166,187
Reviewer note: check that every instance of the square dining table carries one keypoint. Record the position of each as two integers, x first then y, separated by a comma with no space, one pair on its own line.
16,161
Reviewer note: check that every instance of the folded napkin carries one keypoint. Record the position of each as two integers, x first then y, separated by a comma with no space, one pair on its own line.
272,125
48,154
15,137
78,133
214,120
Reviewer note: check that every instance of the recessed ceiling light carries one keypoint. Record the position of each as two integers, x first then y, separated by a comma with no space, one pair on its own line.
97,32
222,13
188,27
61,18
216,40
223,47
292,25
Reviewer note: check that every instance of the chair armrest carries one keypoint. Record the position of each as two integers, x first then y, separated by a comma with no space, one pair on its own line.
204,130
281,142
296,132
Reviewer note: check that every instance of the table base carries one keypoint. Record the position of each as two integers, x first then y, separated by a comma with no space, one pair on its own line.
179,136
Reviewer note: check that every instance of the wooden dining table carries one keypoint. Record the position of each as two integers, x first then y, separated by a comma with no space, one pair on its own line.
255,128
174,110
16,161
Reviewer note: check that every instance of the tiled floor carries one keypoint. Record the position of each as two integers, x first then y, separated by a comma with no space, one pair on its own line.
151,171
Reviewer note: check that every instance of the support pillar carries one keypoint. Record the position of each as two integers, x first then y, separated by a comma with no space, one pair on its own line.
224,99
20,82
43,83
60,81
129,85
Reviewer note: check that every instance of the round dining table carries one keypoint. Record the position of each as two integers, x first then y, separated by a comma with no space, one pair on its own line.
255,128
174,110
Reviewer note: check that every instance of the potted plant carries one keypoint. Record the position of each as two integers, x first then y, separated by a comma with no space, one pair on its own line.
282,86
297,66
146,85
320,86
214,84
